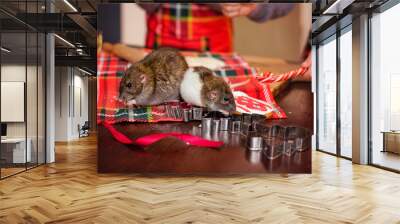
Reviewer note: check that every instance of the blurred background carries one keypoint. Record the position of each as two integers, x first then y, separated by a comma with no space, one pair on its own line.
284,37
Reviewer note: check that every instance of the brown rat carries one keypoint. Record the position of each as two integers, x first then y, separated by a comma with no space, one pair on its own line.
155,79
201,87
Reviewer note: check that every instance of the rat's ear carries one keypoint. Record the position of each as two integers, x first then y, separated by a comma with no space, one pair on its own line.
213,95
143,78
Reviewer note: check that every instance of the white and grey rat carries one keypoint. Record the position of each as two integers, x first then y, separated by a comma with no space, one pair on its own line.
201,87
155,79
164,75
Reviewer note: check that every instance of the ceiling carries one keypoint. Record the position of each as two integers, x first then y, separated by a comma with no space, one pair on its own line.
77,25
330,16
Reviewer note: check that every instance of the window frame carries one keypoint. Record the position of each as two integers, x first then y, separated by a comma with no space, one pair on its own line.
31,30
333,37
378,10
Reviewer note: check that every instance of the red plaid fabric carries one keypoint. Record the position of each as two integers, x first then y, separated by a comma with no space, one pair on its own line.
251,95
188,26
111,110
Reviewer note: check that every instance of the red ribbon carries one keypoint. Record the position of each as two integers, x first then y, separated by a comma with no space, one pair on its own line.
152,138
268,77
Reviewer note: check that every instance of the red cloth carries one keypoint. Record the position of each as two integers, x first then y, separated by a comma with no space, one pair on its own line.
189,26
152,138
251,95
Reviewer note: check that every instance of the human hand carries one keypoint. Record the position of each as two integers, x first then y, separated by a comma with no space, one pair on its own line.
123,51
237,9
307,75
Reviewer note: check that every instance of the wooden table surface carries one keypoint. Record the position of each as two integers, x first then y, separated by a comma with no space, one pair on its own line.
170,156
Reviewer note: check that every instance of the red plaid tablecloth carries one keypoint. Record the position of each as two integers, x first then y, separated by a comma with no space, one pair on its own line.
251,95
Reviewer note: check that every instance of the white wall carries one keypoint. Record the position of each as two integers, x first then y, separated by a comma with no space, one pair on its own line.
12,73
80,94
133,25
33,127
70,84
61,103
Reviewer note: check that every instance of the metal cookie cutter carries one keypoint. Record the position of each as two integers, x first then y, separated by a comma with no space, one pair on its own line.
187,115
246,118
206,124
289,141
261,128
272,135
273,140
289,147
224,125
246,124
254,156
215,126
257,119
176,112
246,129
299,137
236,124
273,151
215,114
254,141
277,132
168,110
197,113
249,122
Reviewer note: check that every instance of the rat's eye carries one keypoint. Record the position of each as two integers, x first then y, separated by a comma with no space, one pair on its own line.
226,99
129,85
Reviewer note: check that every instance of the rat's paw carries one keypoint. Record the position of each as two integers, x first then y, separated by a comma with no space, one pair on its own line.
118,99
131,102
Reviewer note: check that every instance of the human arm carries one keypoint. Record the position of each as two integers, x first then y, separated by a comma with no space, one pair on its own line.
150,7
258,12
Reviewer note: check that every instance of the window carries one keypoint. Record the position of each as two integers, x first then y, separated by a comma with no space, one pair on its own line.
22,88
385,89
346,93
326,99
15,146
